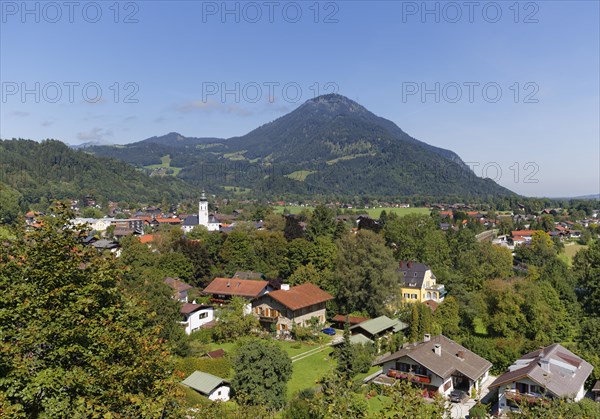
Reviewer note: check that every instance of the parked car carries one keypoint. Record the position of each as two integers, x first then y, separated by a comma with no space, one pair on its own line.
458,396
329,331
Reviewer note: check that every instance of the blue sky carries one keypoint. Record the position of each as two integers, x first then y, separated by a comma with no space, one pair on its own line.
513,88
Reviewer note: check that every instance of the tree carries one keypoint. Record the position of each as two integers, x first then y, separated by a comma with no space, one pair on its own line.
344,355
365,276
407,402
447,316
262,370
233,323
9,204
238,252
322,223
586,266
337,400
60,314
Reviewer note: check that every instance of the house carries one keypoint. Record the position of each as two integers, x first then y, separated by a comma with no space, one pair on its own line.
132,224
196,316
211,386
288,306
104,244
522,236
437,364
550,372
596,391
180,289
376,329
222,290
418,283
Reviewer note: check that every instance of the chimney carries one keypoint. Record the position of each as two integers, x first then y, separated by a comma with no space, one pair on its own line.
228,284
285,287
193,301
401,263
427,337
437,349
545,364
461,355
409,264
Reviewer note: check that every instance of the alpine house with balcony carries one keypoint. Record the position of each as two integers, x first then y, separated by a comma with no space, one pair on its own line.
283,308
437,364
550,372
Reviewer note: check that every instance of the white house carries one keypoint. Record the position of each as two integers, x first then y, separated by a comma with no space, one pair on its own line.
211,386
180,289
203,218
196,315
98,224
550,372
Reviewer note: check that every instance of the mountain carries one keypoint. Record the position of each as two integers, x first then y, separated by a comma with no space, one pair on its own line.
328,145
51,170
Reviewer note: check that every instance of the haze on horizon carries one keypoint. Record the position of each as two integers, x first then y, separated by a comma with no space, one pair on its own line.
497,84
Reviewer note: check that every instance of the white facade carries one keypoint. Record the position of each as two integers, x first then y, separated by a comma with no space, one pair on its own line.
196,319
220,393
203,217
98,224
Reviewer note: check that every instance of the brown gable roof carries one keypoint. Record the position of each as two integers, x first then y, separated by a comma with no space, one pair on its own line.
218,353
471,364
188,308
340,318
236,287
177,285
301,296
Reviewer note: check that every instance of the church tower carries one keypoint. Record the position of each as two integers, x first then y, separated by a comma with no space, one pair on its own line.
203,211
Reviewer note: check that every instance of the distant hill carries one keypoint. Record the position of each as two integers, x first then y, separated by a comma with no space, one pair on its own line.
51,170
328,145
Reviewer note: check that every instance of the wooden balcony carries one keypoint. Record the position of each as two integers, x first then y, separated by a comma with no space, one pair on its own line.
412,377
268,319
529,398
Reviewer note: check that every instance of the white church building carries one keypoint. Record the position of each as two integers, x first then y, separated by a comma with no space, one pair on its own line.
203,218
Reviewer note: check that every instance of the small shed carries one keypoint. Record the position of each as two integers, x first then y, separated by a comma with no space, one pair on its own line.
211,386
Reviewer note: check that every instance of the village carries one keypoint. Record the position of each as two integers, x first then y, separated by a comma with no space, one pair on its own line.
302,320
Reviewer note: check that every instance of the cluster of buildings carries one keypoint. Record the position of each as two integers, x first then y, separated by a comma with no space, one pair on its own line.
437,364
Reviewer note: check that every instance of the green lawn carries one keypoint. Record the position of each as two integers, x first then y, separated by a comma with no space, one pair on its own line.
308,370
300,175
373,212
479,327
569,252
165,163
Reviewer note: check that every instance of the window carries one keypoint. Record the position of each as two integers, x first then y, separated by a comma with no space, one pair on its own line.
413,296
522,387
203,315
536,389
406,295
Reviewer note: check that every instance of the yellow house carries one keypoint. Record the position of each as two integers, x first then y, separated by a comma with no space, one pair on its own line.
418,283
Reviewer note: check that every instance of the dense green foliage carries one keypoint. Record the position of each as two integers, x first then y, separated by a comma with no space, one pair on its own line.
262,370
72,343
50,170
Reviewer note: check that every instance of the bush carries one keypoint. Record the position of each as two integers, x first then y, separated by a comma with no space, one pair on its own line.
478,411
221,367
303,334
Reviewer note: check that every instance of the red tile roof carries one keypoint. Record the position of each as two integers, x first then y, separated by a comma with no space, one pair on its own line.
301,296
523,232
146,238
236,287
168,220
